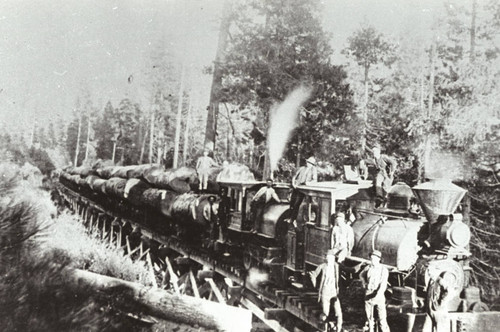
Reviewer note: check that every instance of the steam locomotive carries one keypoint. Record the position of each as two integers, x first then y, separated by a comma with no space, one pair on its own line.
418,248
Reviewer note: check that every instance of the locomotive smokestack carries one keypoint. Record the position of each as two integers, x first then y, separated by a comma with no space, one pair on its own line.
438,197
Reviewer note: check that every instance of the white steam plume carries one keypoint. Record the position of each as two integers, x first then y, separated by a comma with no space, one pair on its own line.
282,121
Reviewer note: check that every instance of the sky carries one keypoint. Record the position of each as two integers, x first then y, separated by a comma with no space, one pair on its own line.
51,50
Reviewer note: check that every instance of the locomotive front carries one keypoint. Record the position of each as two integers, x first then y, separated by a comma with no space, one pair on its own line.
419,251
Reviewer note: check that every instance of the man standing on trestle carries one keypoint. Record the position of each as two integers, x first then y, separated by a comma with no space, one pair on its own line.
374,279
329,289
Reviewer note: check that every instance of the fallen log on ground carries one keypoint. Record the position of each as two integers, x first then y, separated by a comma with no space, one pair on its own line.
165,305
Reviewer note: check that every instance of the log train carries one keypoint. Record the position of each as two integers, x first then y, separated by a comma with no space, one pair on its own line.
419,233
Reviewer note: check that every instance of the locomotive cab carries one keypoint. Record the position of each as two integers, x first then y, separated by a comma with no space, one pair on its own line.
308,243
238,196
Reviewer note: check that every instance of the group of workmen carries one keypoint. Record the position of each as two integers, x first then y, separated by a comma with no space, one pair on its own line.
374,277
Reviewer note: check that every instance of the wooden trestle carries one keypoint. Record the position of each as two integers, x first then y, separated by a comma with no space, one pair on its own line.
280,309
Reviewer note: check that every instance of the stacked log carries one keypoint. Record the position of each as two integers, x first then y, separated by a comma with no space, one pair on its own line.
115,187
140,171
89,181
105,172
82,171
183,207
99,186
180,180
121,171
134,189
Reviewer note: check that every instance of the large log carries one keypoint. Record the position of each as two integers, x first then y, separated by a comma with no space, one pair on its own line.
83,171
134,190
140,171
115,187
165,305
180,180
121,171
105,172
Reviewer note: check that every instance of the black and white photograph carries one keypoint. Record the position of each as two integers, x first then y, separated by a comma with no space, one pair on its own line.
249,165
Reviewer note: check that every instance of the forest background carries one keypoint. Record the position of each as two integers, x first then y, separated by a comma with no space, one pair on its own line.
432,102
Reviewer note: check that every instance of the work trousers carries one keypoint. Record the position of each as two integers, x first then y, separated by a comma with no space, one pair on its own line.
295,201
376,306
382,185
334,302
203,177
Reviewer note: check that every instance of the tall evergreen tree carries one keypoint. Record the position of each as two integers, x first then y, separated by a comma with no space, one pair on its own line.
270,56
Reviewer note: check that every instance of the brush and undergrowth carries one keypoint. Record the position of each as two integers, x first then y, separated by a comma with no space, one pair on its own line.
38,252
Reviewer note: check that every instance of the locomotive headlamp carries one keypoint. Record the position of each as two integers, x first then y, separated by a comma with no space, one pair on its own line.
458,234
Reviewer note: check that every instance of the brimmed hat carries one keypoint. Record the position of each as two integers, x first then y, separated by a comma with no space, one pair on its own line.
311,160
376,253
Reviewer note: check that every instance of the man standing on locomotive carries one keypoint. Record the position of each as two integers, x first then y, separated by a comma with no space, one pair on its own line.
260,201
342,240
308,173
374,279
385,167
329,288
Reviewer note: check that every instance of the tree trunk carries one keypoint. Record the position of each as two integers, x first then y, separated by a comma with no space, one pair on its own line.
152,133
88,139
114,152
473,31
428,145
364,115
178,120
143,146
213,108
420,169
77,149
186,131
162,304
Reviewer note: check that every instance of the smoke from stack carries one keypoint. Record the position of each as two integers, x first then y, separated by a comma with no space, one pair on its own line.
283,119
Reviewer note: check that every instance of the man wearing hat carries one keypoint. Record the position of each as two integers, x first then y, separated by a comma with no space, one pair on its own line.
374,279
342,240
308,173
383,175
328,288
